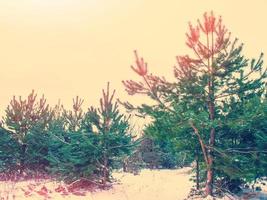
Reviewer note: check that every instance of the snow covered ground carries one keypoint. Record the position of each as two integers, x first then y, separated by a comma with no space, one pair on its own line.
148,185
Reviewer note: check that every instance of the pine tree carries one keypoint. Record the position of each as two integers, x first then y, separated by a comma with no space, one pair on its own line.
112,130
90,145
172,148
22,116
72,153
240,143
73,118
215,76
10,152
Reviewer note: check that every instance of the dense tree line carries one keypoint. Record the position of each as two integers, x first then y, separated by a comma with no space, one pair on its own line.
67,144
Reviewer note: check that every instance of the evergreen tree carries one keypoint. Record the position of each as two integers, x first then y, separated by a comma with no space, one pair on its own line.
241,143
90,145
35,154
10,152
213,78
22,116
173,150
72,153
73,118
112,131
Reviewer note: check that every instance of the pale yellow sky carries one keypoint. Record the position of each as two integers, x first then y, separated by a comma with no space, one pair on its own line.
64,48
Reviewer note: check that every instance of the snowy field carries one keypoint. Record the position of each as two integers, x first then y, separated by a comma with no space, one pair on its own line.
148,185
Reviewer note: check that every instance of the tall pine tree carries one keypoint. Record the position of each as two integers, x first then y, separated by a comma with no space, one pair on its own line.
211,79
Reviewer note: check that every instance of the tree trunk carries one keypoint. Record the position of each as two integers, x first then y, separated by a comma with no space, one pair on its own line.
197,172
105,170
22,159
209,181
124,167
210,171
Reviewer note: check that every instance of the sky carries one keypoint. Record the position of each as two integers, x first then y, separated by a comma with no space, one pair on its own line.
64,48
